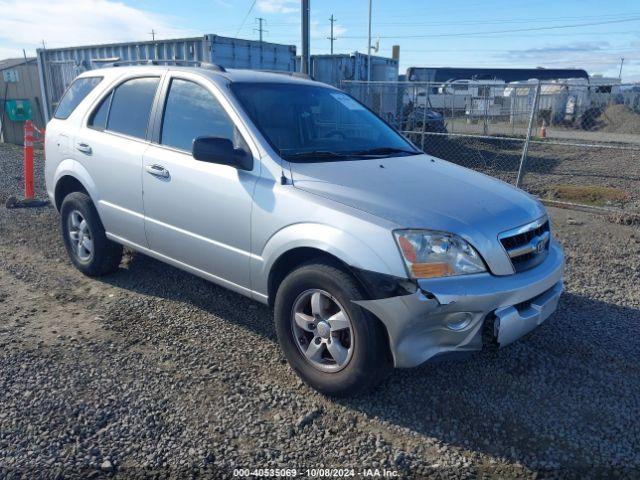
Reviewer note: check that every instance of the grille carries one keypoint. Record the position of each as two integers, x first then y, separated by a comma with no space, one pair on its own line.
527,246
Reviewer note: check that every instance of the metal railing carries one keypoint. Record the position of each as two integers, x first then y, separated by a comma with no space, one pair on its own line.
568,141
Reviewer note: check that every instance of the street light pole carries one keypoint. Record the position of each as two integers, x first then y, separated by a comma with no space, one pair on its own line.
369,46
304,60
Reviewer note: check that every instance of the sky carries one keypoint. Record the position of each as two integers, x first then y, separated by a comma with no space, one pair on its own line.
588,34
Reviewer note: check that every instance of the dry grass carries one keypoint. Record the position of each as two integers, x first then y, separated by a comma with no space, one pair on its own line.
618,119
589,195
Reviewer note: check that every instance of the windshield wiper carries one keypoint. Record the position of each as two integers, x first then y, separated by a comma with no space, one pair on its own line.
327,154
316,154
382,151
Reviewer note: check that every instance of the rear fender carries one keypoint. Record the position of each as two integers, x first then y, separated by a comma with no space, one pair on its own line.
72,168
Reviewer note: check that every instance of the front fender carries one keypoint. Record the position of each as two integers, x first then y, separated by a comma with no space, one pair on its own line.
334,241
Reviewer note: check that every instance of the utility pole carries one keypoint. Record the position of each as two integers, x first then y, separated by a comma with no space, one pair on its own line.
331,37
260,29
621,63
153,35
304,60
369,45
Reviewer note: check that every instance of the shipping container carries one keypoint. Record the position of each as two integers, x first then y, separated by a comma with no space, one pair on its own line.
335,69
58,67
348,71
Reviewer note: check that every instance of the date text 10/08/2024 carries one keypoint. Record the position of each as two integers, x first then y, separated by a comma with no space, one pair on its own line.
315,472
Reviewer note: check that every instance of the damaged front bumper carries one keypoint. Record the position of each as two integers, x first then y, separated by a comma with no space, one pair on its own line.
446,315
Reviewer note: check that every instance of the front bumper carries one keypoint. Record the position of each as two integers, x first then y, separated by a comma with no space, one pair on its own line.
446,315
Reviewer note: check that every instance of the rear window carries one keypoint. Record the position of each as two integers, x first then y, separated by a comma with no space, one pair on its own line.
76,92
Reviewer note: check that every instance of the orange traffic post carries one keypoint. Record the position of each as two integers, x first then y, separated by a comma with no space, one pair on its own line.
29,190
28,160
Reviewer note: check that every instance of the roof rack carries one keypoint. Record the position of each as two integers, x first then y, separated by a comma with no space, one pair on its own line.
161,61
290,74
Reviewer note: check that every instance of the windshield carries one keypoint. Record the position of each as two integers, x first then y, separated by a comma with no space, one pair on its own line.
313,123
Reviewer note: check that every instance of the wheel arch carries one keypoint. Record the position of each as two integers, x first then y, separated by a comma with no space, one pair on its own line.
72,177
292,259
67,184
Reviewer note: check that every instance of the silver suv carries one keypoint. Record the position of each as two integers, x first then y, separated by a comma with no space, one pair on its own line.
371,253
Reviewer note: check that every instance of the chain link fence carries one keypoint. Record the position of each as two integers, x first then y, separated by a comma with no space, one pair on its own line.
567,141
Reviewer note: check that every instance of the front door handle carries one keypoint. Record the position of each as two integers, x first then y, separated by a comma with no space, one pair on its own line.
157,171
84,148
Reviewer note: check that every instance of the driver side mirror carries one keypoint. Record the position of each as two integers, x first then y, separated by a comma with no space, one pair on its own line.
221,150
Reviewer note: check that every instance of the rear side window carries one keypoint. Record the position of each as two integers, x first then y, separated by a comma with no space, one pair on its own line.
130,107
77,91
192,111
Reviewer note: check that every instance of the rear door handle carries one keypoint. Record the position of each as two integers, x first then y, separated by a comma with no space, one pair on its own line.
84,148
157,171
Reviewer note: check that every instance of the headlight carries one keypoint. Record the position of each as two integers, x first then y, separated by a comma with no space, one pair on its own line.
430,254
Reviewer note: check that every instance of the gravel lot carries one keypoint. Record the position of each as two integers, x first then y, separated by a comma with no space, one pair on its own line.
152,372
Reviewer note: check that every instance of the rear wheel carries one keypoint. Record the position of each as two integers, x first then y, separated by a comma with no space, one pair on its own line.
84,237
333,344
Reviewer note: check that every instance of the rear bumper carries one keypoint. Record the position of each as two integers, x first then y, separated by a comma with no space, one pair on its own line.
446,315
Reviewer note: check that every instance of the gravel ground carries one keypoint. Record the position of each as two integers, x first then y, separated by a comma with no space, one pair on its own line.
152,372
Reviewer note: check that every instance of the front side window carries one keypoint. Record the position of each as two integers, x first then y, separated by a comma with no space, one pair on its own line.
77,91
192,111
314,123
130,106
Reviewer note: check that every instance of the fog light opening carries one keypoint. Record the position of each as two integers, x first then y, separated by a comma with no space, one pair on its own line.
459,321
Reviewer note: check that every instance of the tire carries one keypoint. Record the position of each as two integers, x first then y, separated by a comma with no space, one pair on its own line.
369,360
104,256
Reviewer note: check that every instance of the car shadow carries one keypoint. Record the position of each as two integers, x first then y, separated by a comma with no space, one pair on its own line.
562,397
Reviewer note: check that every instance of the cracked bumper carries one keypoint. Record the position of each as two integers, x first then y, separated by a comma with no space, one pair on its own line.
446,315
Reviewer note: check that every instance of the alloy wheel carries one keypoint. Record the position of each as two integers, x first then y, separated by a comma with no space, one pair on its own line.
80,236
322,330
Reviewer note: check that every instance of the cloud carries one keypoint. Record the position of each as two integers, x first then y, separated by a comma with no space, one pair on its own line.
278,6
595,57
60,23
558,50
323,31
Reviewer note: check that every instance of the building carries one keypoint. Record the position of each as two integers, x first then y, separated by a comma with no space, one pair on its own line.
19,98
58,67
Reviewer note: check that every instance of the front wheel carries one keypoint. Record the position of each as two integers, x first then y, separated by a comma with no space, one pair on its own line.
333,344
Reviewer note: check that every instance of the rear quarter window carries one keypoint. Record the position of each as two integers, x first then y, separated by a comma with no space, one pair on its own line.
77,91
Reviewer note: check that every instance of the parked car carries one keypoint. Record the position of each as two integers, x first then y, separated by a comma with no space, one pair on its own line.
371,253
415,118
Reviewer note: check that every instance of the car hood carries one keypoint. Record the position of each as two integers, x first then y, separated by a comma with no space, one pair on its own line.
420,191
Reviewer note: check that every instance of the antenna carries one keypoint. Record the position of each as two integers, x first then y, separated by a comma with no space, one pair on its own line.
153,35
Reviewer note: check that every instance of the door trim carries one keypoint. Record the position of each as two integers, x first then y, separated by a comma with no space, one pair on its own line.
188,268
204,239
